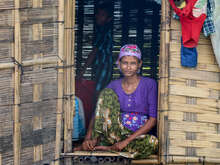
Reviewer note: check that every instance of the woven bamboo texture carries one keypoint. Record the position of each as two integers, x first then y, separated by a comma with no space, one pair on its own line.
189,100
29,66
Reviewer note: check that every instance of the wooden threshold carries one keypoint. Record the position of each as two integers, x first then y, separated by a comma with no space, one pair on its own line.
153,159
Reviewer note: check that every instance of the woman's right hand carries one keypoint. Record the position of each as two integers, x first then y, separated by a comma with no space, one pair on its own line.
89,144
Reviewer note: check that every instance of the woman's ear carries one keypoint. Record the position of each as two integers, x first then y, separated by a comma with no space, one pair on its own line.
140,64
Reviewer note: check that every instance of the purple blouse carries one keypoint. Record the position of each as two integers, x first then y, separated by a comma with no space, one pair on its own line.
143,100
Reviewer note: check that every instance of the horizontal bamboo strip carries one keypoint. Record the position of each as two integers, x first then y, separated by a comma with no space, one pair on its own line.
200,136
200,84
191,143
6,4
175,62
185,159
192,127
203,58
193,91
209,118
96,153
176,38
39,15
194,74
145,161
201,49
209,152
212,103
48,60
197,108
176,150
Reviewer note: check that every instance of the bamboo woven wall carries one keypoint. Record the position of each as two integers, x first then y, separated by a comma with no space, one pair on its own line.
189,99
31,73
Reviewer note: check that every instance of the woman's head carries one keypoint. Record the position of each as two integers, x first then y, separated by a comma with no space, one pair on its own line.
104,13
129,60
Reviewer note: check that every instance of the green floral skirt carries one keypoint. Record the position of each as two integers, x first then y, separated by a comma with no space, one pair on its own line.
109,128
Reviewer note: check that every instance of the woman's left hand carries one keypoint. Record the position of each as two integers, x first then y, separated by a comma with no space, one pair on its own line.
120,145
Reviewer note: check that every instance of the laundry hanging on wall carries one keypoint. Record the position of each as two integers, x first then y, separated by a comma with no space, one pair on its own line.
192,17
215,37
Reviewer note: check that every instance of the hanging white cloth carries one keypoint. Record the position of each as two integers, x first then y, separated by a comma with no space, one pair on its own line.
215,37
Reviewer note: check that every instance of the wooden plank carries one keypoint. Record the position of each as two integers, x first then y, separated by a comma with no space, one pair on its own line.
17,56
59,118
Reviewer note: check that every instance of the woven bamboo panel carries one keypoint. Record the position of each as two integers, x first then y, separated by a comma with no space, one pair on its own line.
28,81
194,94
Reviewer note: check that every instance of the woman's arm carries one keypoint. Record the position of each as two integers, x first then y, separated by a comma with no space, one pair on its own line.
151,122
143,130
89,61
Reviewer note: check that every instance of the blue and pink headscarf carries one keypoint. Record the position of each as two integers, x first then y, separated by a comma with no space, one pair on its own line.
129,50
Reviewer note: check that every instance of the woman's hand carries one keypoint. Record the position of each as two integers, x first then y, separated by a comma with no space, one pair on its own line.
120,145
89,144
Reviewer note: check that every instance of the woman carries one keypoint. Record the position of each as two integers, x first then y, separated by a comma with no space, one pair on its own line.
126,111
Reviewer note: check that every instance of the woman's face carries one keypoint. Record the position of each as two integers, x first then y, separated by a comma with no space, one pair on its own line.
102,17
129,65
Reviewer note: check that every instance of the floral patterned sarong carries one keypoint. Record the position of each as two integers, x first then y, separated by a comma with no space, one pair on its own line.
109,127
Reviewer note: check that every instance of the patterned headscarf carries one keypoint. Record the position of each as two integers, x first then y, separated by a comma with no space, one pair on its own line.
129,50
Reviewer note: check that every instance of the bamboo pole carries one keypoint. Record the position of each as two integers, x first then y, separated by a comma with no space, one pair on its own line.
68,103
59,120
17,56
103,153
40,61
184,159
163,81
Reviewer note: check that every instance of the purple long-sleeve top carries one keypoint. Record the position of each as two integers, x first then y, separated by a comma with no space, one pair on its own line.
143,100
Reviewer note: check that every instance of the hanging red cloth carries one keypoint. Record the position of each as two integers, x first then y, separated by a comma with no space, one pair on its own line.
85,90
191,25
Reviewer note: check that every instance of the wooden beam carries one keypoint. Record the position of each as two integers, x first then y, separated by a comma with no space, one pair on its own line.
17,78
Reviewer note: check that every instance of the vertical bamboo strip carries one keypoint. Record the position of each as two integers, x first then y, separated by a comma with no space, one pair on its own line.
17,56
60,83
163,74
73,50
0,159
68,106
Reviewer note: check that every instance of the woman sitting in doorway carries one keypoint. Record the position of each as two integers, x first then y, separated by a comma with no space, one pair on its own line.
126,111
